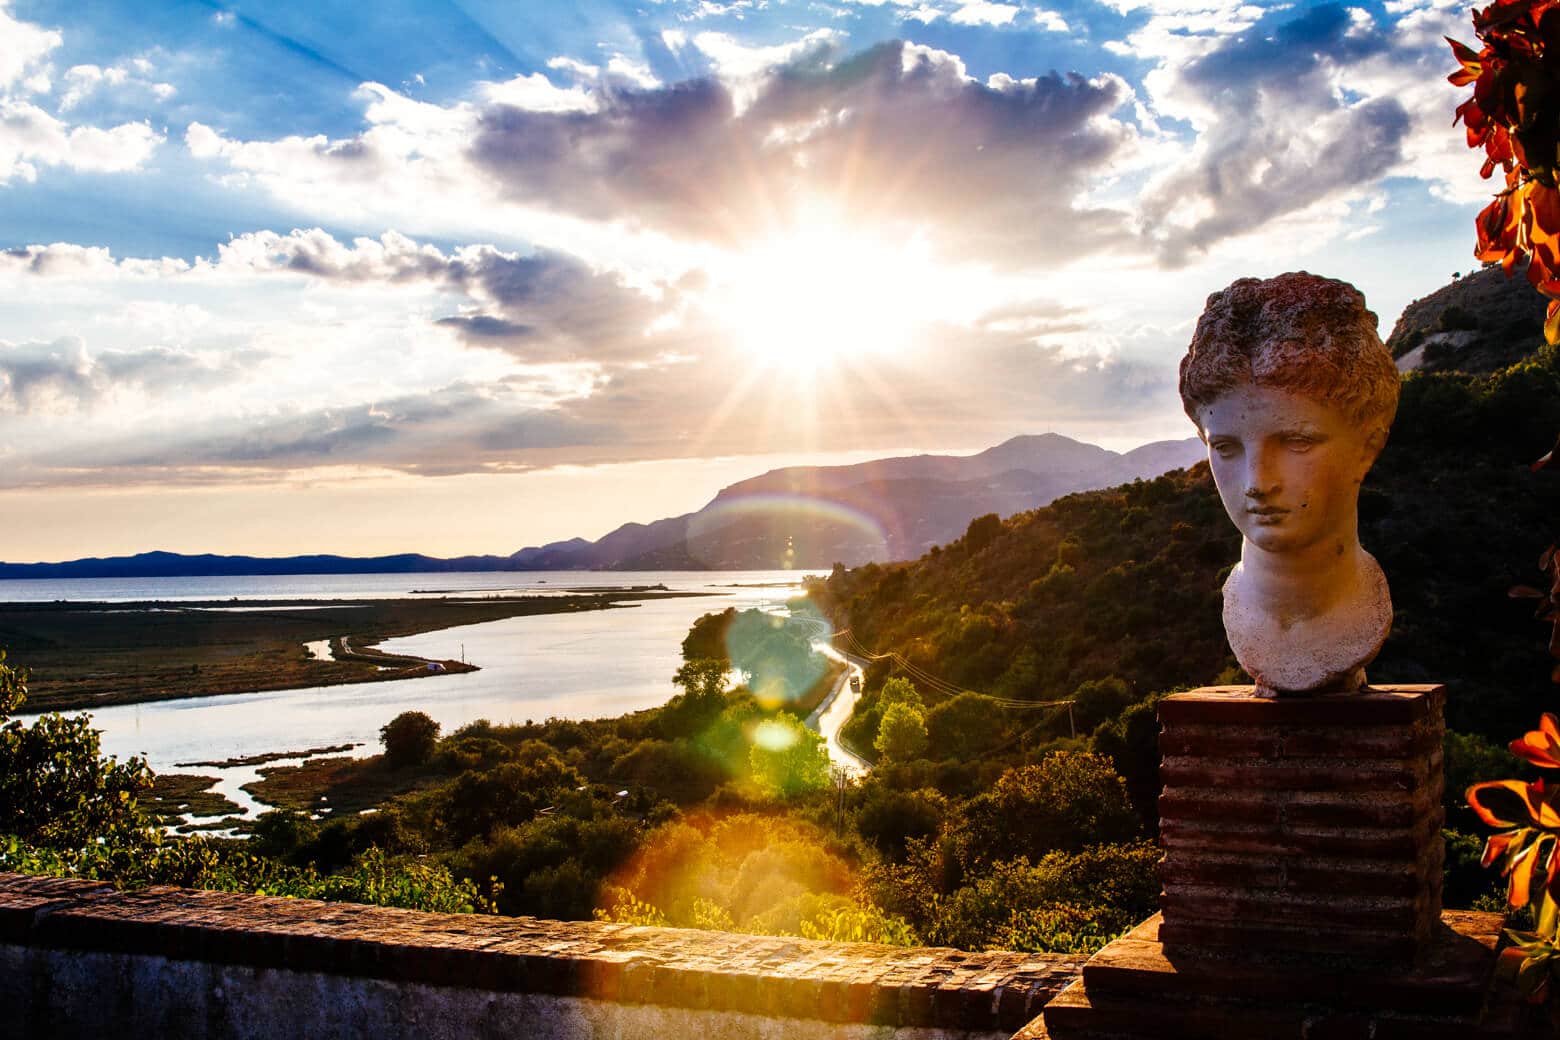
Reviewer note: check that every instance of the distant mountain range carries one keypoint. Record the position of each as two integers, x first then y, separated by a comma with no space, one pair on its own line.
804,517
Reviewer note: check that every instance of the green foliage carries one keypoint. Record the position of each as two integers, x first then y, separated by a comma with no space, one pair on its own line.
983,530
966,726
1099,700
56,790
890,819
1068,801
1131,742
1125,582
1067,902
787,759
902,733
706,639
855,923
861,730
475,802
703,682
1470,759
409,739
197,863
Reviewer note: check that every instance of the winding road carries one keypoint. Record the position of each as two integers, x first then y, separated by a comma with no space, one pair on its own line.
830,716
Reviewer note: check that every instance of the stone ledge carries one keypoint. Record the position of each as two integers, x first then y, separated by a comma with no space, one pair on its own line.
900,987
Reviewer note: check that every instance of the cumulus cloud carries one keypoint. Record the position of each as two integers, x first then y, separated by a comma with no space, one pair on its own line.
541,307
32,138
1279,128
61,376
898,135
135,75
24,47
895,134
984,12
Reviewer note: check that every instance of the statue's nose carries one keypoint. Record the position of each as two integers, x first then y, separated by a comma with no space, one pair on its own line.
1261,479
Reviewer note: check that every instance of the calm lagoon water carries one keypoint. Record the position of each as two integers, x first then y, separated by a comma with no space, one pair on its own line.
578,665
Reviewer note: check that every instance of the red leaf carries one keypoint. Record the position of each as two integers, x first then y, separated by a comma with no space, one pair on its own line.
1500,803
1540,746
1537,465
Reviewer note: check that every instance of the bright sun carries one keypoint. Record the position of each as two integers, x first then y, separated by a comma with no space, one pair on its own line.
820,295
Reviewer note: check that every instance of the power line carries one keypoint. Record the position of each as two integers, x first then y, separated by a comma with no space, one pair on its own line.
943,686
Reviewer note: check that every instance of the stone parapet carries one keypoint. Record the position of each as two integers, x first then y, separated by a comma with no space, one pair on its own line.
71,953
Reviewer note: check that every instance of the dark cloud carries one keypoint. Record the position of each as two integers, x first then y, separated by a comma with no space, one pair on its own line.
1258,58
896,133
1281,138
541,307
481,328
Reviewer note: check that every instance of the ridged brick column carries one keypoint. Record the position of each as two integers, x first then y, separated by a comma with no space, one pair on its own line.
1301,885
1304,825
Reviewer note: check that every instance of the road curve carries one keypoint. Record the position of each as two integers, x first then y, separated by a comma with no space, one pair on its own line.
831,715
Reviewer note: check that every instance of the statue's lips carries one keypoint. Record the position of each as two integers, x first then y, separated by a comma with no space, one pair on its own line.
1268,514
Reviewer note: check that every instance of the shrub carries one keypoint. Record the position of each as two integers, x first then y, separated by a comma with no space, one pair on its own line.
409,739
1069,800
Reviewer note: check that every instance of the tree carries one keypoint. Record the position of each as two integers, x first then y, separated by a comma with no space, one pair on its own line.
56,790
703,681
1068,801
787,758
902,733
965,726
409,739
900,691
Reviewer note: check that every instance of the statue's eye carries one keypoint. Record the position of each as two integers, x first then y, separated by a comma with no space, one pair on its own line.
1225,449
1299,443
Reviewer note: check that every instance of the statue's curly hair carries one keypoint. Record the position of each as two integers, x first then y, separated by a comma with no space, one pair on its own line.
1297,332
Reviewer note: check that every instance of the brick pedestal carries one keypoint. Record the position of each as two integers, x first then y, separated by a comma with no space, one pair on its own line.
1301,882
1303,825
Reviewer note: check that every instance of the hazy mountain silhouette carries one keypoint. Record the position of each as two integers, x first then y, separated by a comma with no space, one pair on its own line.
804,517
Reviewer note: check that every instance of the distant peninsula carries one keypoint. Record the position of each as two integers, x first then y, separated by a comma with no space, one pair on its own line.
807,517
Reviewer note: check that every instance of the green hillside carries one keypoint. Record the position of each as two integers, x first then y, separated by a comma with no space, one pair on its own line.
1125,582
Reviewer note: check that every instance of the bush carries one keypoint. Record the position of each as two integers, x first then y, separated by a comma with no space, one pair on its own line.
1069,800
1065,903
55,789
409,739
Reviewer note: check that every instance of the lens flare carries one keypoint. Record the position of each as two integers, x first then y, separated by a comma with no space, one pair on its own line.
773,736
805,530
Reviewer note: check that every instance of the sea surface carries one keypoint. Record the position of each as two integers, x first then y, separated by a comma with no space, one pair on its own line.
591,664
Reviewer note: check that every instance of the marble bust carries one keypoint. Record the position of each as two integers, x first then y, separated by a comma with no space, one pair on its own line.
1293,392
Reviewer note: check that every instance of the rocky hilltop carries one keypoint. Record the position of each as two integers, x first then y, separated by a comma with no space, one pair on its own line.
1479,323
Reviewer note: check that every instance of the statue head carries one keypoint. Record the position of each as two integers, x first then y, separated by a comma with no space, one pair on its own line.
1290,386
1293,392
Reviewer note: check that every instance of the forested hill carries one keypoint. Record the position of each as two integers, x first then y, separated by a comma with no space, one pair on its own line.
1125,582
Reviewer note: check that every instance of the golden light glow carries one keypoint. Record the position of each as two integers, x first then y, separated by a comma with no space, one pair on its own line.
822,295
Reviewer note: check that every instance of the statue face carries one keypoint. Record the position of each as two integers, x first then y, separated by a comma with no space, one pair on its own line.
1288,467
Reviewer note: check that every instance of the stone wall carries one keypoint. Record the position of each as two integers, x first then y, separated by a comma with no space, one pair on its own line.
79,959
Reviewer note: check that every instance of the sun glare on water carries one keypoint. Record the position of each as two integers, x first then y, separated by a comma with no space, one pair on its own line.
822,296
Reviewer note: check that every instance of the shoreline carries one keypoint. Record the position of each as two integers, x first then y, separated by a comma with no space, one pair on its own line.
86,655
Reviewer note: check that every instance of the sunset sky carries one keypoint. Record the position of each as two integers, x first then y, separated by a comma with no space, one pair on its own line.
473,275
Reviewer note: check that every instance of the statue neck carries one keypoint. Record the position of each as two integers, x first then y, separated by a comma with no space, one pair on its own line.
1306,583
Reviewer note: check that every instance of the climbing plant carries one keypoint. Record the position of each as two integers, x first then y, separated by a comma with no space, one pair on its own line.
1514,116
